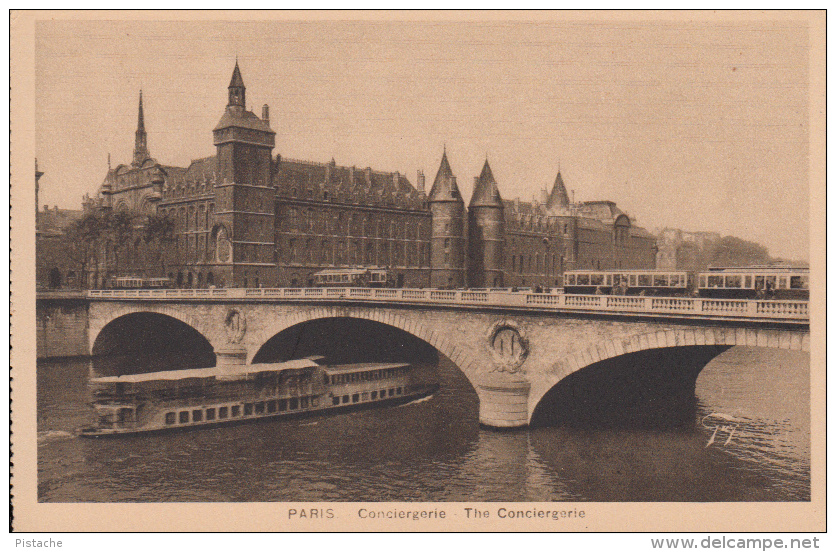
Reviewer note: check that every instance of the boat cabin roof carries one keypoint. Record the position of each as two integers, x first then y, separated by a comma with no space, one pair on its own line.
363,367
202,373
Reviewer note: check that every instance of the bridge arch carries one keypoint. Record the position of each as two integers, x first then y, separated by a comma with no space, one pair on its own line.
458,355
142,341
198,323
711,341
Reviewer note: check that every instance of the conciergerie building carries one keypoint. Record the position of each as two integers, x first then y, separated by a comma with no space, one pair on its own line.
248,217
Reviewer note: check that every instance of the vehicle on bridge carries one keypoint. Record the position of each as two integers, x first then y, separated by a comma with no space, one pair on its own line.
137,282
186,399
769,282
627,282
354,277
756,282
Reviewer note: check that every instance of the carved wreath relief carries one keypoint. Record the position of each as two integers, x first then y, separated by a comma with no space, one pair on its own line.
508,346
236,325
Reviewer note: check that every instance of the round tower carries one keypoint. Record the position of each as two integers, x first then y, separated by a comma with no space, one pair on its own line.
447,248
486,232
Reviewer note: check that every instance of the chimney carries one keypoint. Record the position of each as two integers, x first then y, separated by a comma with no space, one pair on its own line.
368,172
396,179
265,113
421,183
517,204
351,175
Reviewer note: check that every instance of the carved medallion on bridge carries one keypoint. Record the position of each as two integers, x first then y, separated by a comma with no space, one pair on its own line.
508,346
236,325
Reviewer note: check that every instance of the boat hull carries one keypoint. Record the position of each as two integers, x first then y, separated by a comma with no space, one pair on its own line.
326,410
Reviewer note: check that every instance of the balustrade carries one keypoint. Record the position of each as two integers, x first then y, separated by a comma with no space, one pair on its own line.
696,306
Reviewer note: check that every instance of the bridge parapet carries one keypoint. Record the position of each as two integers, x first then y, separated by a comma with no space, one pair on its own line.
690,307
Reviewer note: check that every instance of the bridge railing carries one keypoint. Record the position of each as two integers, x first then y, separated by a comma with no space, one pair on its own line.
742,308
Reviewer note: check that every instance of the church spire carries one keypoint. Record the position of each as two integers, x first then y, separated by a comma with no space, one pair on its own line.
141,141
237,90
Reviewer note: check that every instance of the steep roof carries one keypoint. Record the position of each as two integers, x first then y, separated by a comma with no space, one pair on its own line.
444,187
236,80
486,192
558,199
371,186
244,119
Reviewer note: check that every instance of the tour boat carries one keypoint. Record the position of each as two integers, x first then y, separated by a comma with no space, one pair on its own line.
192,398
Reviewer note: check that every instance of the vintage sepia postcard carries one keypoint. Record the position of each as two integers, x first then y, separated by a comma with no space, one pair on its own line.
418,271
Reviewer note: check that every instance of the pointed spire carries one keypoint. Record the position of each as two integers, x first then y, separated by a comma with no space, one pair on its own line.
236,80
237,90
141,140
486,192
141,120
558,199
444,187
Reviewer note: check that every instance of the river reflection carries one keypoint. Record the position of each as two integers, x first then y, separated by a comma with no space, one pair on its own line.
434,450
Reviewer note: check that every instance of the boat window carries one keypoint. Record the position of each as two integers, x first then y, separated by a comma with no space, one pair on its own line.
583,279
798,282
223,412
660,280
236,410
703,282
355,397
596,279
365,396
294,403
184,417
644,280
335,401
374,395
345,399
170,418
271,406
303,402
248,409
259,408
715,281
210,413
282,405
197,415
748,282
400,390
314,401
609,280
632,280
734,281
391,392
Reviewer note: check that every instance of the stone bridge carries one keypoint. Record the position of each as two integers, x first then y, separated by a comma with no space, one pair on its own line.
512,349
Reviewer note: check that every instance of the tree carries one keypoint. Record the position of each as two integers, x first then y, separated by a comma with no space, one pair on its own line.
158,234
119,230
83,239
731,251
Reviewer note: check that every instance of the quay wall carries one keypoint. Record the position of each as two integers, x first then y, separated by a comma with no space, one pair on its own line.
62,327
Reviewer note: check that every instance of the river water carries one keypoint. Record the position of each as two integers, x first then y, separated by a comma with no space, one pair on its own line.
435,450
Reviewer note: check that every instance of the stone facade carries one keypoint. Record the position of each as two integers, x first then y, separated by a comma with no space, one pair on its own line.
245,218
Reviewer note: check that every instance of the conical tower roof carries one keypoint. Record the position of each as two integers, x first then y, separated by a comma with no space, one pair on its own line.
486,192
558,199
236,81
444,187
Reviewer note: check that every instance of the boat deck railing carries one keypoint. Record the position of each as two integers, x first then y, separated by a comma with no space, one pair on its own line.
698,307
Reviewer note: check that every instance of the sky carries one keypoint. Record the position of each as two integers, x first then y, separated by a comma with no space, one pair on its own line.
699,126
